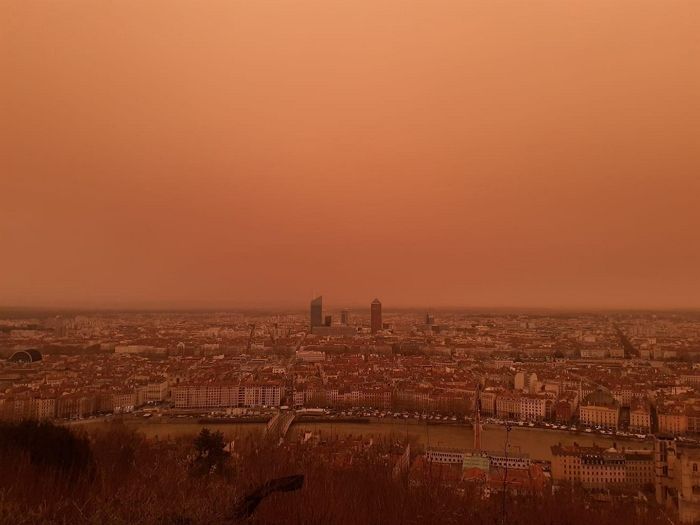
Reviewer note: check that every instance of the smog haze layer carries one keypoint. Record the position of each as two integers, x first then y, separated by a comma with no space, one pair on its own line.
505,153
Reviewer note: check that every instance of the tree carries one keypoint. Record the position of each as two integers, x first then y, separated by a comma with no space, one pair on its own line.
47,446
210,453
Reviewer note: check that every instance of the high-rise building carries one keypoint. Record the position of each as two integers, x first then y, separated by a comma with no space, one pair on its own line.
345,317
376,316
316,313
328,320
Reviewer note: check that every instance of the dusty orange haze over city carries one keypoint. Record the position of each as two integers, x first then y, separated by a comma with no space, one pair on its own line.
228,153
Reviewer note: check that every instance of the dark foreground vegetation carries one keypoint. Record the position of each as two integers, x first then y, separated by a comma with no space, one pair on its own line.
54,475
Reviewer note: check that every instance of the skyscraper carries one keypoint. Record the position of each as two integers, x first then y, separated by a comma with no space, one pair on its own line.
376,316
317,311
345,317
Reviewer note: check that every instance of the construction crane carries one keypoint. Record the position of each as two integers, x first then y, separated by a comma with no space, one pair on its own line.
477,418
272,331
300,342
250,337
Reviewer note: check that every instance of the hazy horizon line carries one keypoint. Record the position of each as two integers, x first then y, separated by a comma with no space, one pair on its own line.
301,307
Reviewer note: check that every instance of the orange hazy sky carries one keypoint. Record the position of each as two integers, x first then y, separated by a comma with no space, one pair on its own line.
442,152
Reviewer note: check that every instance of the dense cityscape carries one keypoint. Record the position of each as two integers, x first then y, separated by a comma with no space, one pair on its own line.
368,262
607,401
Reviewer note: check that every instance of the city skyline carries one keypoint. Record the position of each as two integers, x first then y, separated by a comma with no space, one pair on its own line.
594,399
372,261
354,308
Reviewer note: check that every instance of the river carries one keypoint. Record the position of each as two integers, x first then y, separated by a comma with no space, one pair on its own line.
536,442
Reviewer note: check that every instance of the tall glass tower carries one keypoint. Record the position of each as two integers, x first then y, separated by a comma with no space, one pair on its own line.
317,311
375,316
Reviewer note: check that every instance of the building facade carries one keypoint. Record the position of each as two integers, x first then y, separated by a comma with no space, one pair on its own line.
600,408
223,396
677,473
599,468
375,316
316,312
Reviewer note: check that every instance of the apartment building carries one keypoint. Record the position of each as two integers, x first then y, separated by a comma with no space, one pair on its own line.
508,406
488,402
155,391
672,418
599,408
534,408
123,402
220,396
45,407
640,415
598,468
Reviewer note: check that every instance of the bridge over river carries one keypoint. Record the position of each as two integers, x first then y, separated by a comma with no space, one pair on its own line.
278,426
